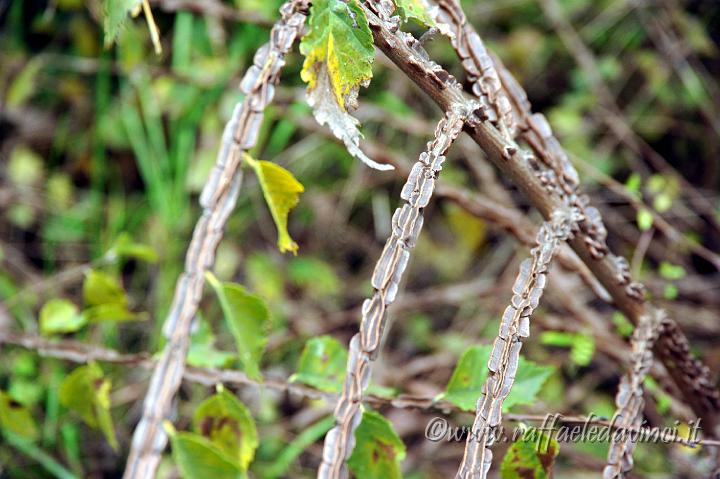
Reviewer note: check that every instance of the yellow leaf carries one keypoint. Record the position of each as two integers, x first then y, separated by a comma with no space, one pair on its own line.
282,192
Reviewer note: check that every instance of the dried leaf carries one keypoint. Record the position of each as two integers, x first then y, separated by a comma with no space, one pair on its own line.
282,193
339,53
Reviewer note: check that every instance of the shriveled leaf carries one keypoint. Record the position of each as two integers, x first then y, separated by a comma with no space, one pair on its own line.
116,13
198,458
16,418
86,392
282,192
415,10
248,319
532,456
228,424
59,316
340,38
322,364
378,449
339,53
470,373
343,125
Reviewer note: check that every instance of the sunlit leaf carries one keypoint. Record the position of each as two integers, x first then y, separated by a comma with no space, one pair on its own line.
644,219
16,418
86,392
248,319
470,373
116,13
60,316
282,193
101,288
198,458
378,449
228,424
322,364
414,10
582,346
531,456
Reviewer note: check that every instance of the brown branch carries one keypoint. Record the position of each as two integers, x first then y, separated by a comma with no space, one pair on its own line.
691,376
82,353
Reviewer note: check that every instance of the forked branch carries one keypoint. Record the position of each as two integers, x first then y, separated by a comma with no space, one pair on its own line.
691,376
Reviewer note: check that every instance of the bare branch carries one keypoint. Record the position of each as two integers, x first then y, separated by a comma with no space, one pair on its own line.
364,347
514,328
691,376
629,399
217,200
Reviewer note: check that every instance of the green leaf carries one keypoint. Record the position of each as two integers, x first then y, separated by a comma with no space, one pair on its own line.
25,83
228,424
16,418
198,458
265,276
314,274
87,393
105,299
644,219
101,288
202,351
338,37
414,10
124,247
111,312
116,14
322,364
532,456
470,373
671,271
59,316
282,193
624,327
583,349
582,346
378,449
248,319
305,439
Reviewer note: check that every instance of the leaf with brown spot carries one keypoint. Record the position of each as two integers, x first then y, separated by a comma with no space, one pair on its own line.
530,457
378,449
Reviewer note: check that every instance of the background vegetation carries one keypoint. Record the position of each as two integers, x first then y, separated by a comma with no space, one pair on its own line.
103,152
